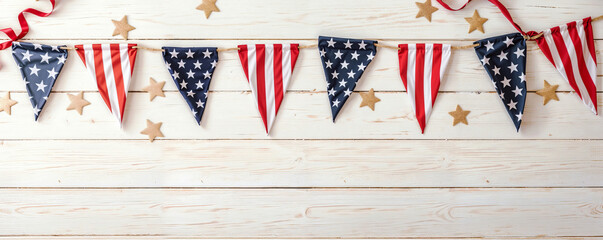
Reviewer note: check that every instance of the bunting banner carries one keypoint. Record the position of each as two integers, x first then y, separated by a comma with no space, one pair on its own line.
422,68
268,68
571,49
40,66
344,61
192,70
504,58
111,65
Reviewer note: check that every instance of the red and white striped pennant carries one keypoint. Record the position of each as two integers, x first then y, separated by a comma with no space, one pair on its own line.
268,68
422,67
571,49
112,66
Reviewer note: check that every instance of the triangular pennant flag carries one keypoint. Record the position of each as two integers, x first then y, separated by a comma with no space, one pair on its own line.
111,65
504,58
571,49
40,66
344,61
422,68
192,69
268,68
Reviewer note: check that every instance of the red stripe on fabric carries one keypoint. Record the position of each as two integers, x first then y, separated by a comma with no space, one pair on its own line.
419,88
260,50
403,61
243,57
99,68
294,54
132,55
119,78
584,74
278,75
588,31
565,59
79,49
546,50
435,71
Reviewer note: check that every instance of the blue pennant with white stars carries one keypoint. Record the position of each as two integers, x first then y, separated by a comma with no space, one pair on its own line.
504,58
192,69
40,66
344,61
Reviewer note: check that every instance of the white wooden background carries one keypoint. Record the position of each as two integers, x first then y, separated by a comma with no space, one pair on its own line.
370,175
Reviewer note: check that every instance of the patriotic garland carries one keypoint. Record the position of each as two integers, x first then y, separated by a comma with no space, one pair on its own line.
268,67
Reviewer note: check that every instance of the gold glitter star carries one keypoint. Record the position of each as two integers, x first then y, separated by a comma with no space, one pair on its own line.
459,115
208,6
425,9
369,99
152,130
6,103
122,27
548,92
476,22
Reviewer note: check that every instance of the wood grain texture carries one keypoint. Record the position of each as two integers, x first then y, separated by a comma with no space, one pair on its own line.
304,163
371,175
464,73
276,19
233,115
305,213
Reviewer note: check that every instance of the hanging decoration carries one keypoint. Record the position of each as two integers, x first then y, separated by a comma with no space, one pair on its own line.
111,65
77,102
459,115
571,49
422,67
549,92
504,59
122,27
6,103
268,68
40,65
344,61
192,70
369,99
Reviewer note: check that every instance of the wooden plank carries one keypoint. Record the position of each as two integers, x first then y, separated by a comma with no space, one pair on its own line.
377,213
465,72
281,19
233,115
319,163
194,237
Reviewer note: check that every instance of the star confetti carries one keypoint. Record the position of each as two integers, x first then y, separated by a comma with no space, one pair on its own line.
6,103
476,22
548,92
369,99
208,6
154,89
122,27
425,10
152,130
459,115
77,102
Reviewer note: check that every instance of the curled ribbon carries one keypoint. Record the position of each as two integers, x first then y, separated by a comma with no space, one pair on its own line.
531,35
24,26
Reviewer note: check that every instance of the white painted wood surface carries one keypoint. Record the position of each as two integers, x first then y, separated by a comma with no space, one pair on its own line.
369,175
